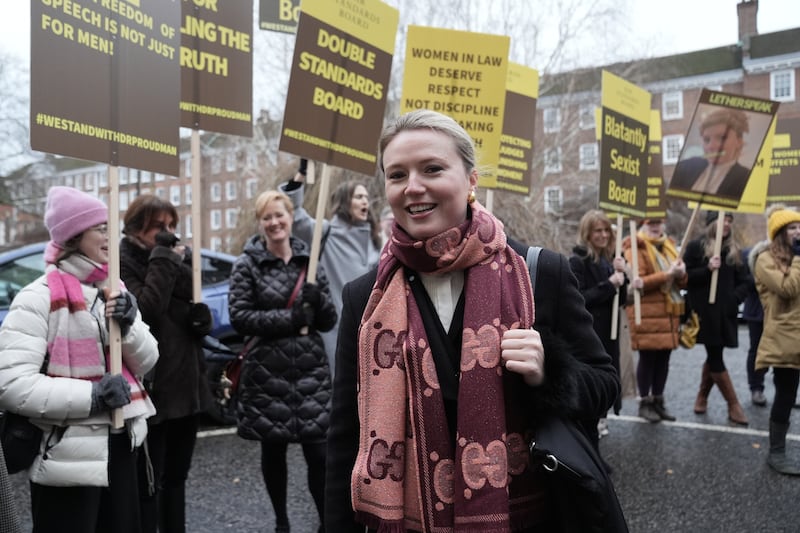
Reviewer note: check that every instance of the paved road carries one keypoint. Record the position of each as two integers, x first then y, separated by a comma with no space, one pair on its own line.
694,475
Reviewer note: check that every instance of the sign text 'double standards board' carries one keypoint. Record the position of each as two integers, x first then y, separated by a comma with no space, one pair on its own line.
339,79
105,82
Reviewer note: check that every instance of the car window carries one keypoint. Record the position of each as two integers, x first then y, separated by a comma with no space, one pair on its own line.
215,270
18,273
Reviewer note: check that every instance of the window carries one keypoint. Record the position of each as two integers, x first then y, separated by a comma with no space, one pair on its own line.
671,146
187,167
552,160
586,117
553,199
552,119
672,105
230,190
175,194
133,175
123,176
187,226
781,85
215,243
161,192
103,179
230,161
231,216
252,159
145,176
216,192
123,201
216,164
79,181
187,193
216,219
90,181
588,156
158,176
251,187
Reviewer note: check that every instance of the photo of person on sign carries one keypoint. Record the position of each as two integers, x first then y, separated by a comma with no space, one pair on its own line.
719,170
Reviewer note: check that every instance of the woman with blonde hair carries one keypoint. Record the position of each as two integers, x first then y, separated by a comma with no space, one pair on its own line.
601,277
285,385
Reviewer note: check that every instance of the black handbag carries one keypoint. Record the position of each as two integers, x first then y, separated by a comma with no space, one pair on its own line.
20,440
19,437
581,491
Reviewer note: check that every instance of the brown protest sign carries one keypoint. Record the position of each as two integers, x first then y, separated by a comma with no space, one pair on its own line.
514,168
279,15
216,58
105,82
338,83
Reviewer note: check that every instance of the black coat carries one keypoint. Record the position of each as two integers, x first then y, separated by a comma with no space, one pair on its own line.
162,284
285,386
580,381
718,321
599,295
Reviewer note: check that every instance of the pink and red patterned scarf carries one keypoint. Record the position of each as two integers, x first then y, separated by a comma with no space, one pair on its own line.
407,473
75,339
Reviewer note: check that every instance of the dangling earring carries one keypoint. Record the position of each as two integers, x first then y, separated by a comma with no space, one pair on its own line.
471,196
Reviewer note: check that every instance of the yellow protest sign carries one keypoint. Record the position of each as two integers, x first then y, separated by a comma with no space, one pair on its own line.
463,75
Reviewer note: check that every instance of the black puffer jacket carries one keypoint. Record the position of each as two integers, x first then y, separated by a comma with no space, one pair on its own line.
285,386
162,284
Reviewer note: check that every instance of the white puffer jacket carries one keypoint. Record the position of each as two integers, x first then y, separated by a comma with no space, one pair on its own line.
76,444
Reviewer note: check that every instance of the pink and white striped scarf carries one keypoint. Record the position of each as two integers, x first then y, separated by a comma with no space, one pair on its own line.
77,339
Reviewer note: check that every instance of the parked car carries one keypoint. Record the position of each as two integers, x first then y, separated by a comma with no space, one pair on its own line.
22,265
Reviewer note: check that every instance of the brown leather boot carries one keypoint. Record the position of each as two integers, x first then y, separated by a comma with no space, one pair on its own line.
706,383
735,411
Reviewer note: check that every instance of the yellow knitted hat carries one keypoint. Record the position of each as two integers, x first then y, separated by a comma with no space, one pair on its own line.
779,219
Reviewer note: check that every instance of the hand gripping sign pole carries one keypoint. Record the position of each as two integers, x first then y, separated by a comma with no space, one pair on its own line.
114,332
316,239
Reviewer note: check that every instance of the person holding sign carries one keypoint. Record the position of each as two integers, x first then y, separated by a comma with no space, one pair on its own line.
719,327
438,367
660,277
351,240
601,276
718,172
54,370
285,386
777,274
158,271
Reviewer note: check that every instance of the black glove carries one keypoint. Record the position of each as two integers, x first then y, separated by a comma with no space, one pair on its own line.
200,319
110,392
311,294
124,312
302,314
166,238
796,247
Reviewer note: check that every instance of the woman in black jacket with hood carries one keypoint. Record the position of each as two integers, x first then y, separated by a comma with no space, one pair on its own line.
285,386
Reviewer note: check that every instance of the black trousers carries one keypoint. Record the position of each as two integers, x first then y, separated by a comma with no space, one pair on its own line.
93,509
170,447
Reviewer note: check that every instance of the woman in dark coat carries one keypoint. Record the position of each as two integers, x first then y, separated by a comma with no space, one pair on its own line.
439,373
285,387
718,321
158,272
601,279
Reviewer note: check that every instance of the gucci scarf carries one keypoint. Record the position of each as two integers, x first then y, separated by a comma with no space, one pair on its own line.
409,472
77,337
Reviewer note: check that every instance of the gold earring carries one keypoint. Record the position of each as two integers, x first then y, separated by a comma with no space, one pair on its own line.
471,196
